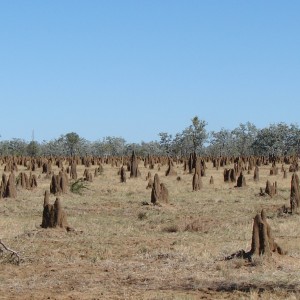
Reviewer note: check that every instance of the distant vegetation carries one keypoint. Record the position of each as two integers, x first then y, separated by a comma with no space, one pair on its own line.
246,139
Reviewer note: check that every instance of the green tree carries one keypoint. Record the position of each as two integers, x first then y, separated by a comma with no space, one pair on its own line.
33,149
221,142
196,134
243,138
278,139
72,140
165,142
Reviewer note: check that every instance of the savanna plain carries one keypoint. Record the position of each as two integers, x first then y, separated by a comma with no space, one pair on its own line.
123,247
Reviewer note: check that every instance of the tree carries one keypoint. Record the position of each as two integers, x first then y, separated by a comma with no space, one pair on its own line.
196,134
221,142
293,140
17,147
243,138
278,139
150,148
165,142
72,139
54,147
115,146
33,149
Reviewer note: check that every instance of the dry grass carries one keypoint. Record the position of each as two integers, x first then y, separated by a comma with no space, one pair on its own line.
122,249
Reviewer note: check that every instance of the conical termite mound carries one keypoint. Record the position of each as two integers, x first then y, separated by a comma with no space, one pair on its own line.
171,171
263,243
159,192
54,215
10,189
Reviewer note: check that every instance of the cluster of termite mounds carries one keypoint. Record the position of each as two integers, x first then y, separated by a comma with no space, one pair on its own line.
159,193
196,166
26,182
54,215
59,183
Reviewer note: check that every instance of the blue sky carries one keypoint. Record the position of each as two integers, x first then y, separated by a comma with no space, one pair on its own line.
137,68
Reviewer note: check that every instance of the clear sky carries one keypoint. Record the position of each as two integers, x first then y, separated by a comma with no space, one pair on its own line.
137,68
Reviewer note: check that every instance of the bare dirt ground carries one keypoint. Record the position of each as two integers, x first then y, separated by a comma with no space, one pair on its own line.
121,249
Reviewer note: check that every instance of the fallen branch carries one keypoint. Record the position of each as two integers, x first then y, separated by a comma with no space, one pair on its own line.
10,250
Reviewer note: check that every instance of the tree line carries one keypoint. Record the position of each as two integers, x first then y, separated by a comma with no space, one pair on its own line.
246,139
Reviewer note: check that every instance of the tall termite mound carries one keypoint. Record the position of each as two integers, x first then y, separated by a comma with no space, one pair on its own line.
3,186
8,187
295,193
73,170
134,171
47,168
256,174
53,214
197,182
262,243
159,191
123,174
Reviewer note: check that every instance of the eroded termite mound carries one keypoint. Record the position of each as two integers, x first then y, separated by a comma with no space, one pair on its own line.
271,189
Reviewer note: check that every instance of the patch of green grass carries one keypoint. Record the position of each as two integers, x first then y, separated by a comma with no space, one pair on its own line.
78,187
